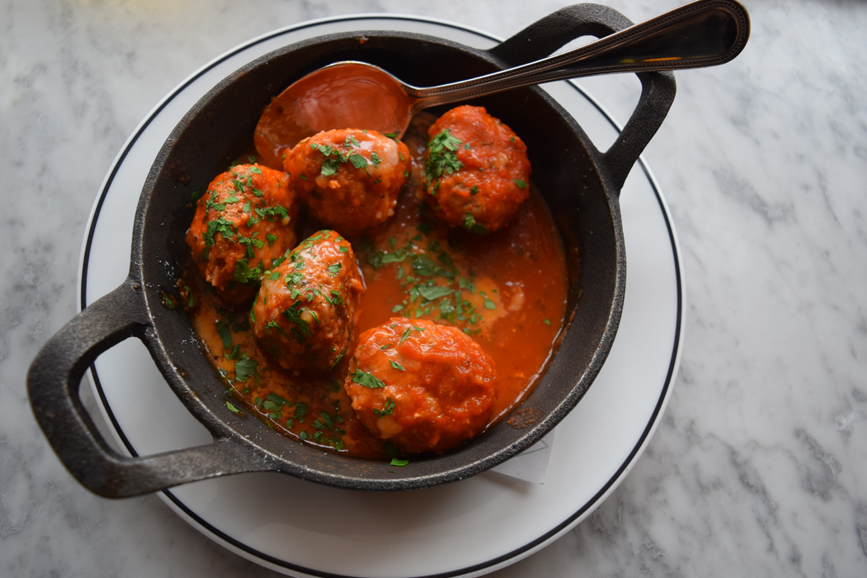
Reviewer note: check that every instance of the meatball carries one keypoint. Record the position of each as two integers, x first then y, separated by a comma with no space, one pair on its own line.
306,309
350,178
421,385
476,171
242,223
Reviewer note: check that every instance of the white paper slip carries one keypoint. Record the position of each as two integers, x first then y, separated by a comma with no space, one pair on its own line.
531,465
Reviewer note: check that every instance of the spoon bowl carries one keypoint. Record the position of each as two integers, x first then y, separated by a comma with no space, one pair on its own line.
353,94
341,95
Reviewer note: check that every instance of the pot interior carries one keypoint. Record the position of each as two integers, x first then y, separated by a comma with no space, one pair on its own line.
565,170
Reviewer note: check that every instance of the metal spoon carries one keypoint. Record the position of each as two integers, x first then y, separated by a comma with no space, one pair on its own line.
353,94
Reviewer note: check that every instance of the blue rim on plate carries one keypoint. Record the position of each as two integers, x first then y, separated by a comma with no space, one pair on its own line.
527,546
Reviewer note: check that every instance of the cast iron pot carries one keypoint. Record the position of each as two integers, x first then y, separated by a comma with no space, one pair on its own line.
580,184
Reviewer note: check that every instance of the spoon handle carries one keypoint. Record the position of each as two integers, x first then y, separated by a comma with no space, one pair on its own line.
696,35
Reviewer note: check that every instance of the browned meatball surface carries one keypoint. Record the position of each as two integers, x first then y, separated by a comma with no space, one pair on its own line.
476,171
421,385
242,223
350,178
306,309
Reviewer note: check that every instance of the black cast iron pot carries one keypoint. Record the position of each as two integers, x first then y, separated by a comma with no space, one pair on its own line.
580,184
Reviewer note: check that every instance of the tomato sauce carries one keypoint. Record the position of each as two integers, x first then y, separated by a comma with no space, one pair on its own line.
507,290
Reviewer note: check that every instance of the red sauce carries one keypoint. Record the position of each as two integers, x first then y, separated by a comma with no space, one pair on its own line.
516,281
507,290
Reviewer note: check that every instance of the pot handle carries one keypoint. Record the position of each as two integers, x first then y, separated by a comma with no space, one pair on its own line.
53,383
546,35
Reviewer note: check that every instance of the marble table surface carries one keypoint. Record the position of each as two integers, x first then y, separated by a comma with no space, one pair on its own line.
759,465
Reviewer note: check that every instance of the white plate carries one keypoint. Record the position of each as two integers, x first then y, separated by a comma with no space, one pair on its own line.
467,528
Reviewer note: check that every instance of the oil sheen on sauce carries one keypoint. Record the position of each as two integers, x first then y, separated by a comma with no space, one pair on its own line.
507,290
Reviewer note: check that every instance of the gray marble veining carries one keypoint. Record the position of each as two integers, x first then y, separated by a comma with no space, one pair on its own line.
759,466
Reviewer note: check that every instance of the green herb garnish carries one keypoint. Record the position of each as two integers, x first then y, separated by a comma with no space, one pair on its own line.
358,161
389,407
432,293
441,155
225,333
405,335
294,315
366,379
244,368
329,167
472,226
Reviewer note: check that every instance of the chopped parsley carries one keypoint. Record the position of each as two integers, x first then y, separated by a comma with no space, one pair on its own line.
336,298
191,299
367,379
225,333
272,213
294,315
387,410
488,303
358,161
246,275
219,225
442,158
244,368
274,325
336,359
405,335
425,228
329,167
472,226
433,287
432,293
334,157
168,300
